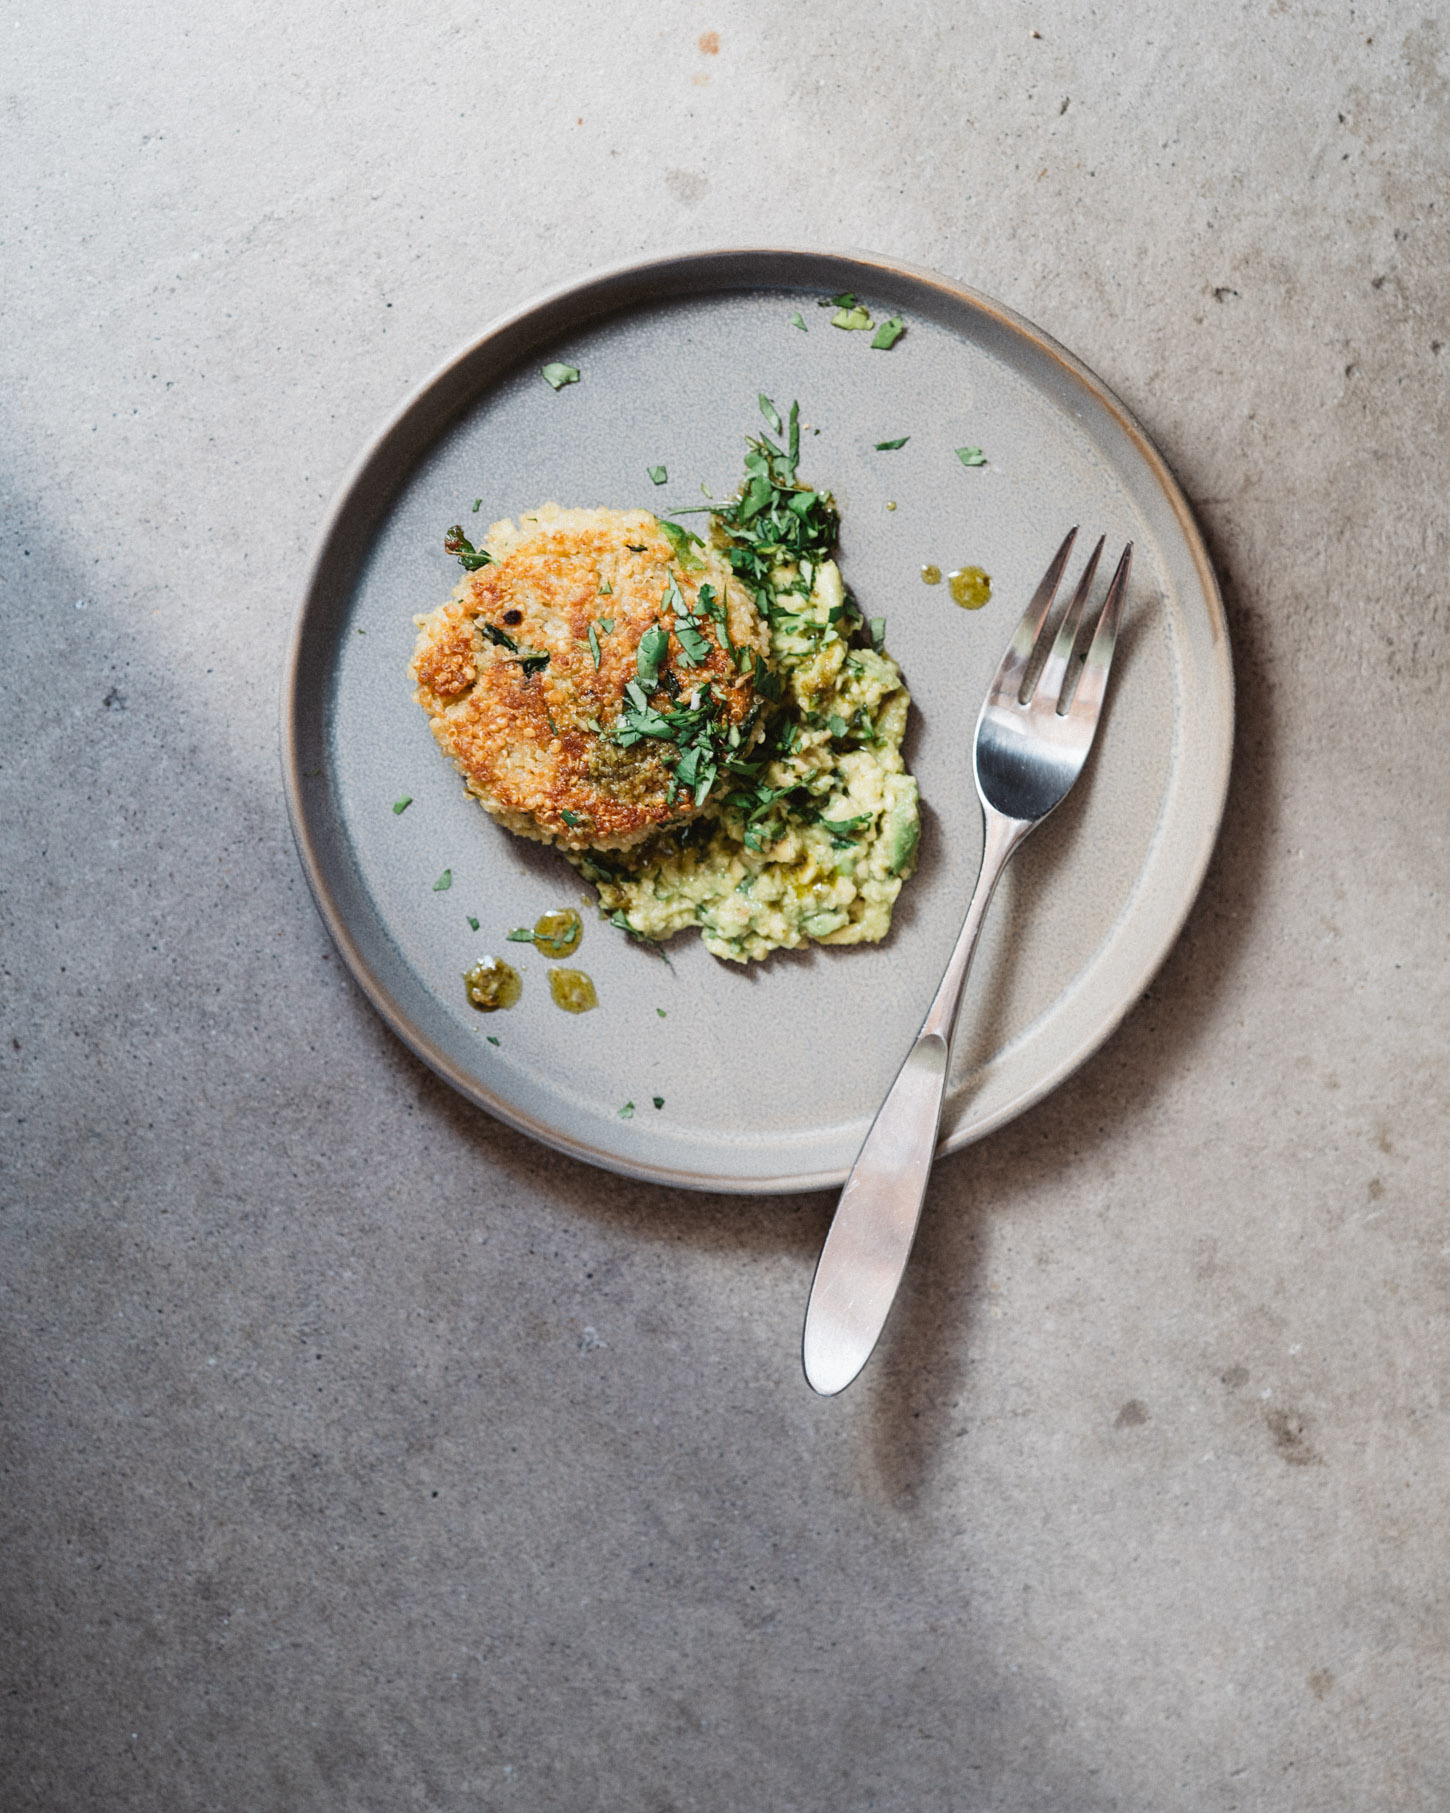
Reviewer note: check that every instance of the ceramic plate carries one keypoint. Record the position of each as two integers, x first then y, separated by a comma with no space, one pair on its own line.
769,1073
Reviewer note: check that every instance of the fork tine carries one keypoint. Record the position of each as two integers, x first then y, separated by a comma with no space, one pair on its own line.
1050,681
1089,696
1013,671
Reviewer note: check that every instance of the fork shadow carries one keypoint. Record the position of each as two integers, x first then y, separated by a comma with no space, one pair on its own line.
914,1384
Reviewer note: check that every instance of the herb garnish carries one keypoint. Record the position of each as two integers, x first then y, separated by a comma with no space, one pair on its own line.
444,882
606,590
658,1100
533,664
521,935
572,819
491,1039
470,558
796,321
683,542
471,920
626,1113
661,1012
402,805
594,649
658,474
768,410
476,503
557,375
854,320
891,446
878,634
971,456
888,334
500,638
654,646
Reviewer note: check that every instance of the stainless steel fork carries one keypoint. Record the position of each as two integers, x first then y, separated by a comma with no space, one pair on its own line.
1033,735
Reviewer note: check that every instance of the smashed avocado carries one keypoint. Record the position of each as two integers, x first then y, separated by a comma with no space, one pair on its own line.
809,832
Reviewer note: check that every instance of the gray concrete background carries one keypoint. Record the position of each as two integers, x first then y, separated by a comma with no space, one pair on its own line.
362,1455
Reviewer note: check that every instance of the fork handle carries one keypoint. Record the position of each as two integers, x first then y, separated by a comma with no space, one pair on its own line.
870,1237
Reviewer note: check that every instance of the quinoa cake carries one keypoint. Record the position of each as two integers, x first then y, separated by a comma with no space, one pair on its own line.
552,673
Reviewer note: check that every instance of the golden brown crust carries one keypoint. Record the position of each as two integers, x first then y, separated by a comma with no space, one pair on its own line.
533,745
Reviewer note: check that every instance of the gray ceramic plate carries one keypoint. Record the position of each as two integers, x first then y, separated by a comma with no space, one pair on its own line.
769,1074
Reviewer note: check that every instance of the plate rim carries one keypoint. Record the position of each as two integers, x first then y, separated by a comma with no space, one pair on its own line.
595,286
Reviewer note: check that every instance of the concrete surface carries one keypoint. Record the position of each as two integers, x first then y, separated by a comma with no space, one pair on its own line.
360,1454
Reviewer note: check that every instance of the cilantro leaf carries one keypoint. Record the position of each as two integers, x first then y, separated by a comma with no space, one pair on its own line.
532,664
606,624
402,805
498,637
796,321
594,645
891,446
491,1039
662,1014
471,920
836,724
768,410
572,819
888,334
470,558
476,503
654,646
557,375
854,320
658,474
606,590
521,935
626,1113
847,299
971,456
658,1100
444,882
878,634
682,541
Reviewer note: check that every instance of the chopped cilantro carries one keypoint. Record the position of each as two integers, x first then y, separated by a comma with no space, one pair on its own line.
661,1012
768,410
658,474
837,725
854,320
491,1039
498,637
470,558
971,456
521,935
888,334
796,321
571,819
659,1101
891,446
444,882
557,375
471,920
683,542
626,1113
606,590
607,625
594,645
654,646
533,664
846,299
402,805
476,503
635,548
878,634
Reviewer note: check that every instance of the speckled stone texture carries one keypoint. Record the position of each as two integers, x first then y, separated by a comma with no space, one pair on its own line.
361,1455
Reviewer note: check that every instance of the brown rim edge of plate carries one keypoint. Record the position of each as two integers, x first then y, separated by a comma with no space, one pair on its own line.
605,292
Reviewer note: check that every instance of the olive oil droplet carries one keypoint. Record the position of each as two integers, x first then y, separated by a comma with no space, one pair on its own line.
970,587
492,985
572,990
931,575
558,934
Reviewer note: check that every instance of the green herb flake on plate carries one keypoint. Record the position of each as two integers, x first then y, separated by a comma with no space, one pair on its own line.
444,882
971,456
891,446
402,804
658,474
557,375
888,334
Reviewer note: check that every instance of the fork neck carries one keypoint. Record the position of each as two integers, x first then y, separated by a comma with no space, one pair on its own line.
1001,837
